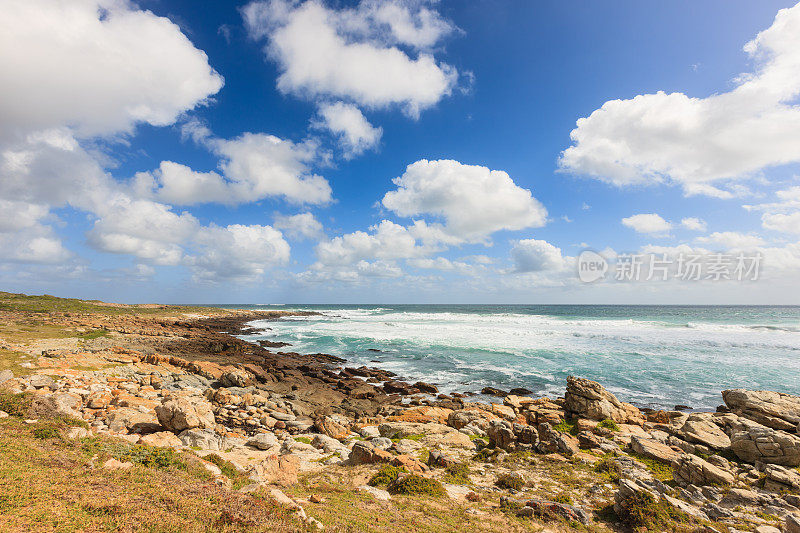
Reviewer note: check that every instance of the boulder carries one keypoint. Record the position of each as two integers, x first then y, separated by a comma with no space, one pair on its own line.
791,523
691,469
279,469
471,417
780,479
263,441
365,453
428,435
772,409
329,426
178,414
163,439
41,381
236,378
129,419
699,429
588,399
501,435
205,439
5,375
653,449
753,442
55,405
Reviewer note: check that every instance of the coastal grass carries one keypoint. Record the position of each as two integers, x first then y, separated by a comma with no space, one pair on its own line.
54,484
344,509
45,303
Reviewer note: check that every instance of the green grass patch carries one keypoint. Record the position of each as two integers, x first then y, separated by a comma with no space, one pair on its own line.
96,334
607,467
661,471
304,440
511,480
457,474
609,424
15,404
228,470
415,485
385,475
414,436
567,426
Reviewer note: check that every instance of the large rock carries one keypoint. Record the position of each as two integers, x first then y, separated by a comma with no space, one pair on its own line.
699,428
279,469
753,442
128,419
264,441
328,425
778,478
163,439
653,449
178,414
365,453
428,435
55,405
691,469
501,435
588,399
772,409
205,439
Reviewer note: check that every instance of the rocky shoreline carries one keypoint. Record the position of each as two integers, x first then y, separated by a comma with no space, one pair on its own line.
189,384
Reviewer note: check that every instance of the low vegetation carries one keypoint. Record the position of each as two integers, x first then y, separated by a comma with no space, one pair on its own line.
416,485
385,475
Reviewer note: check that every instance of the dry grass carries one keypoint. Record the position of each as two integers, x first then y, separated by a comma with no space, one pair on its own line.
52,484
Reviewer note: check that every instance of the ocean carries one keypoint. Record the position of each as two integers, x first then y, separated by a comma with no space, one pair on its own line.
651,356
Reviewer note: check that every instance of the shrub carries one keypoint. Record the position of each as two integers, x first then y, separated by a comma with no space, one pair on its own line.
15,404
511,480
641,510
607,467
46,432
608,424
563,498
413,484
661,471
385,475
457,474
567,426
150,456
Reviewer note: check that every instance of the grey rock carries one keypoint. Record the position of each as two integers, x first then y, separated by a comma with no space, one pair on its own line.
691,469
382,443
263,441
588,399
205,439
772,409
699,429
753,442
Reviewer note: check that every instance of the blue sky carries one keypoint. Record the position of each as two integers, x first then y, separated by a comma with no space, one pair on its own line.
398,151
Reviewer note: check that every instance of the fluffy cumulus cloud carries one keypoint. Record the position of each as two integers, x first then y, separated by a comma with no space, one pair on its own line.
252,167
238,252
732,240
370,54
473,201
386,240
97,66
649,223
698,143
785,223
300,226
531,255
694,224
350,126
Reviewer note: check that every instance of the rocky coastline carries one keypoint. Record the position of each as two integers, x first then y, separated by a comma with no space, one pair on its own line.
288,421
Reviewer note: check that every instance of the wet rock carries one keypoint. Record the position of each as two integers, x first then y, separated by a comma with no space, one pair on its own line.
426,387
753,442
691,469
772,409
588,399
491,391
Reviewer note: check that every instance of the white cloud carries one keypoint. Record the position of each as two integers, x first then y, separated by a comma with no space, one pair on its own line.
378,269
238,252
785,223
387,240
701,143
694,224
99,67
531,255
179,184
144,229
355,134
351,53
732,240
302,225
650,223
261,165
474,201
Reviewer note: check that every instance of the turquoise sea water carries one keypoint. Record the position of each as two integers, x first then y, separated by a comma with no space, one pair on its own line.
655,356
